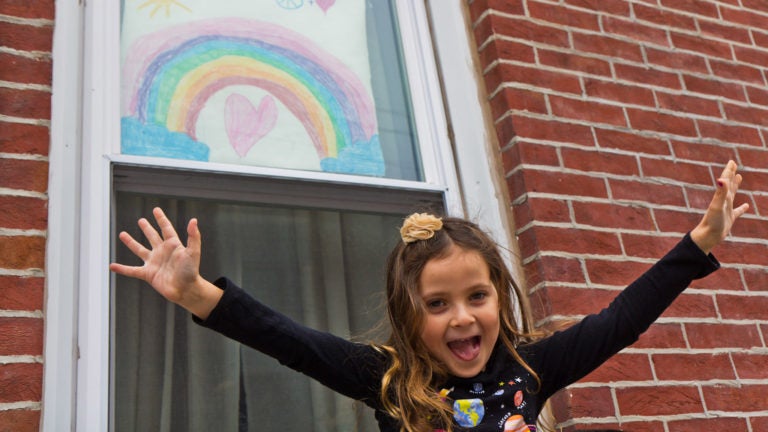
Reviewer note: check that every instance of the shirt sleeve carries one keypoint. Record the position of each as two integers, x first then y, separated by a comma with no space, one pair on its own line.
569,355
352,369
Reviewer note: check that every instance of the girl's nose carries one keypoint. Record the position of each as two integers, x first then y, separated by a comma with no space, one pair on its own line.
462,317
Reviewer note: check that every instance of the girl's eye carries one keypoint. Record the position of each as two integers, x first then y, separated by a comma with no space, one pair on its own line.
435,304
478,296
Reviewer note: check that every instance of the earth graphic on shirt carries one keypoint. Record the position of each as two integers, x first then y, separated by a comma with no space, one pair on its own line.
468,412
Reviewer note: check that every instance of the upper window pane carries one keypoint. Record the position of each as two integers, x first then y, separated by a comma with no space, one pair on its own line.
309,85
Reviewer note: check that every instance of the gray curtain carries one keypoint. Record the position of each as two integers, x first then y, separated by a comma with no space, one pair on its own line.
322,268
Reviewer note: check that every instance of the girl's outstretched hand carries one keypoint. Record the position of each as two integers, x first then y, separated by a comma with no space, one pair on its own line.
171,268
720,215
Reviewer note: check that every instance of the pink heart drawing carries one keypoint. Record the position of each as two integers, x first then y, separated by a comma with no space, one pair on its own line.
246,124
325,4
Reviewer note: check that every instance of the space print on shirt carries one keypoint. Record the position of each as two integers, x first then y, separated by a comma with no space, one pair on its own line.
467,413
495,407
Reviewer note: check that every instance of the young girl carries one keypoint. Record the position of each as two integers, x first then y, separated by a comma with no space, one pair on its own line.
456,358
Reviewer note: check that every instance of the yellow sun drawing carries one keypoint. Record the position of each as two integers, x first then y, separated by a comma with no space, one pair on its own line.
162,4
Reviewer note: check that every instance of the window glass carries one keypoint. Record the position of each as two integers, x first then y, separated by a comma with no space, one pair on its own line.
314,251
310,85
323,268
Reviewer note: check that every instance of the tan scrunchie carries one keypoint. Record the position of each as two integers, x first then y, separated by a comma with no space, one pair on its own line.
420,226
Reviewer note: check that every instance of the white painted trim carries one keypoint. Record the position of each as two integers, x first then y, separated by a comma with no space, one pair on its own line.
483,189
101,129
280,173
60,346
427,101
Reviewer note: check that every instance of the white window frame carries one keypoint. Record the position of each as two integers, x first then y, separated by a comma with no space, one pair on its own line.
85,136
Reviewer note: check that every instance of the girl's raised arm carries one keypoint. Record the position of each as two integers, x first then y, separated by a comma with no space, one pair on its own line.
171,268
720,215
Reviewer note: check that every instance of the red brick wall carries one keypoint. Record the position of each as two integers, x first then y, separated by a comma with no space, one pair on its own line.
614,119
26,35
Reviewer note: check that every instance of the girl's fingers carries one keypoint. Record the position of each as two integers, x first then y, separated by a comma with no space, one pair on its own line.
730,169
728,174
166,227
137,248
193,237
728,182
740,210
735,183
738,181
150,233
130,271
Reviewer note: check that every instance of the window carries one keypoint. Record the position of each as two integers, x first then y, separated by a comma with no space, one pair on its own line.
94,335
287,85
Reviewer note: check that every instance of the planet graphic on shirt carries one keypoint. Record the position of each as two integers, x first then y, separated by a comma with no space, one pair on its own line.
468,412
519,398
516,423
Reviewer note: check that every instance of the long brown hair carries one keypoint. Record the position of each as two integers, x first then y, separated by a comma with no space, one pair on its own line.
408,386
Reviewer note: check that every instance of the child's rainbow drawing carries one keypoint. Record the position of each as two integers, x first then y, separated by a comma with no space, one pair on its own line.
170,76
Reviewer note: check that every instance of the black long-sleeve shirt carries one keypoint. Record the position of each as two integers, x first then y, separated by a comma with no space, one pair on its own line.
504,392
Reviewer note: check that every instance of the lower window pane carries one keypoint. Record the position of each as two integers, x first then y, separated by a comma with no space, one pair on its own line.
322,268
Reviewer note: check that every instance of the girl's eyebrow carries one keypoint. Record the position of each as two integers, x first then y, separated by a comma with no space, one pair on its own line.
480,285
433,293
442,292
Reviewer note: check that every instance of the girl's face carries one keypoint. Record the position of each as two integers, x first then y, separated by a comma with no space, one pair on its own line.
462,311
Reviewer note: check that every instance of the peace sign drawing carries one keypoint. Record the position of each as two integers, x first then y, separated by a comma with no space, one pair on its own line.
290,4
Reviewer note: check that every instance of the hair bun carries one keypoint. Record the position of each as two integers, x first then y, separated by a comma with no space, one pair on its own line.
420,226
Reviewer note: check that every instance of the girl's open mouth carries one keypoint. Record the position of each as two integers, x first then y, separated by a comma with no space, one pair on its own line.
465,349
